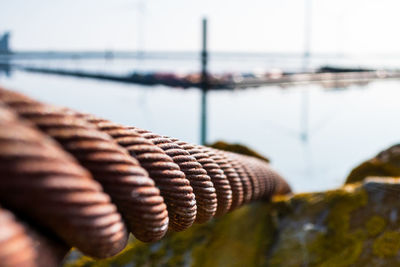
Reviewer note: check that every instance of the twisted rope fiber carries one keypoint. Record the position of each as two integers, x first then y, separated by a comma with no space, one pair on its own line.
203,188
21,246
174,186
218,178
265,185
272,182
244,178
255,185
230,173
122,177
16,245
49,188
42,182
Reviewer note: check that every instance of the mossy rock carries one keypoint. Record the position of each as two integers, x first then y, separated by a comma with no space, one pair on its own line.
375,225
240,238
238,148
352,226
387,245
356,225
385,164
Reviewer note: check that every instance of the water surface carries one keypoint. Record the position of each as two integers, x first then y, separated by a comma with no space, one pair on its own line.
314,136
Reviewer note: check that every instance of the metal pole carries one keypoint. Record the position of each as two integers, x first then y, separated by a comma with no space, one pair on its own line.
141,9
204,84
307,34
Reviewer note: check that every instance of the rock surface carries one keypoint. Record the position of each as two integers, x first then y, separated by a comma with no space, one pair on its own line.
238,148
385,164
356,225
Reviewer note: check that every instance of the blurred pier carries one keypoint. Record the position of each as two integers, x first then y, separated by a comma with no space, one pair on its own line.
324,77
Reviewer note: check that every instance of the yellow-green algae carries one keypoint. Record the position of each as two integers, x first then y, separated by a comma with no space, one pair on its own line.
387,245
375,225
373,167
238,148
339,246
240,238
353,226
334,244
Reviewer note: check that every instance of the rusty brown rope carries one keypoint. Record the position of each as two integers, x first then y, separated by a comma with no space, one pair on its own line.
270,181
174,187
138,169
121,175
16,245
203,188
22,246
218,178
255,185
45,184
231,175
244,177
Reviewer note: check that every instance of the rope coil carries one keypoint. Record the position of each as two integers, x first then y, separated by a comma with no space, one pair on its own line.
174,187
38,178
203,188
155,182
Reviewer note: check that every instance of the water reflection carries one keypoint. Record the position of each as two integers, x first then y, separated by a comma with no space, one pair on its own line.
5,67
314,136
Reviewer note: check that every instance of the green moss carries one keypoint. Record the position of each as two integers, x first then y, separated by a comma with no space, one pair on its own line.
387,244
350,252
374,167
375,225
332,243
307,198
240,238
136,252
339,246
238,148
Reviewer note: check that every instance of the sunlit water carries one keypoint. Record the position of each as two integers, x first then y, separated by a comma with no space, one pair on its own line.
343,126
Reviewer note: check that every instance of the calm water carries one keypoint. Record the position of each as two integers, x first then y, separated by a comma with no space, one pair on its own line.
343,126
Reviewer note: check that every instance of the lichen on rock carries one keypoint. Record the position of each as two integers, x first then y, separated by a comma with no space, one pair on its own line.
238,148
356,225
240,238
385,164
375,225
387,244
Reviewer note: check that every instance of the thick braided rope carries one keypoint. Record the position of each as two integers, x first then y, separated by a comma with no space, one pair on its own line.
270,181
231,175
21,246
46,185
203,188
64,198
121,175
244,178
174,187
257,169
255,185
16,245
218,178
148,213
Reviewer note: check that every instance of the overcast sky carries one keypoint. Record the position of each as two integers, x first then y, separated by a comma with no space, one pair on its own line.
338,26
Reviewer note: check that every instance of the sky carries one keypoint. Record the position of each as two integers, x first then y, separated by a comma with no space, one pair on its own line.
337,26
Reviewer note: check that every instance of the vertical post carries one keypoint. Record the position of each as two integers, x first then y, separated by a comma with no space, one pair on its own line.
141,23
204,84
304,135
307,33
